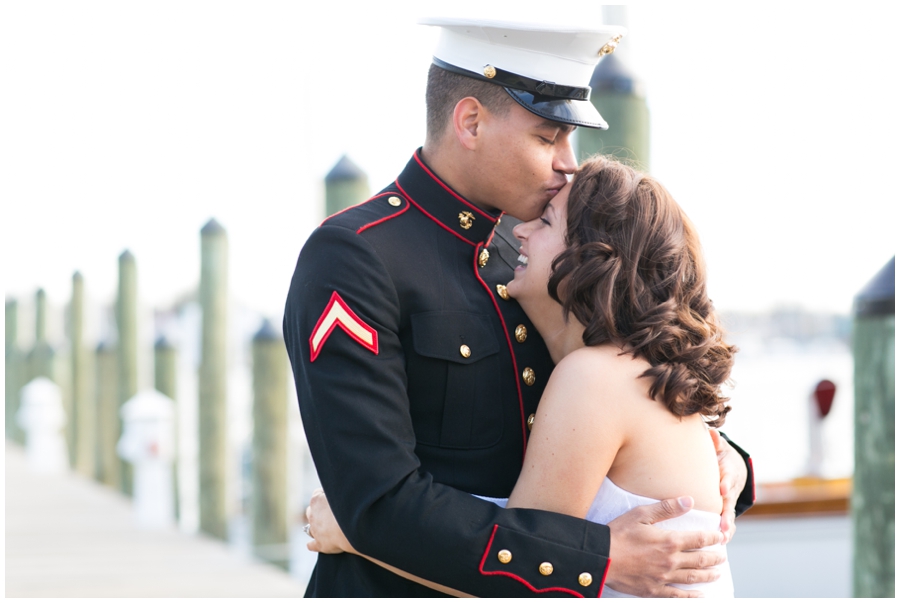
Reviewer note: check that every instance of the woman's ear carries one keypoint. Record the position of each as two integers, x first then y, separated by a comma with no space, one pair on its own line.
468,116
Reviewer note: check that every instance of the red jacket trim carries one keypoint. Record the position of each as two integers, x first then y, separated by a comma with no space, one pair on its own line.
512,352
750,461
386,218
450,190
603,581
558,589
338,313
435,220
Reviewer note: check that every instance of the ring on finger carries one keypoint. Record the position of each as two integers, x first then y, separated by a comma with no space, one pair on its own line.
306,531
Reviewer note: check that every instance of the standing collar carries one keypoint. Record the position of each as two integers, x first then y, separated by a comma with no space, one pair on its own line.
433,197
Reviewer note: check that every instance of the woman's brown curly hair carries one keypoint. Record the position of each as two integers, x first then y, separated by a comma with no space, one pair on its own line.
633,274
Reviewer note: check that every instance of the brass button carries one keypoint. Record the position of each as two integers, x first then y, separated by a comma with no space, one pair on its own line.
465,219
489,71
395,201
464,351
528,375
483,258
521,333
546,568
585,579
502,292
530,421
504,556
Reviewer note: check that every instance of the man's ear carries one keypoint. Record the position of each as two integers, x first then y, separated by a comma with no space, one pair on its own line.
468,118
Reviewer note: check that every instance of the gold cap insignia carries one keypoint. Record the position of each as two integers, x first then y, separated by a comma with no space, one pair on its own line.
466,218
489,71
610,46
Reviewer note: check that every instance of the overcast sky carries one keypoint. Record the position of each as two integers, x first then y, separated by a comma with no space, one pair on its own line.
130,124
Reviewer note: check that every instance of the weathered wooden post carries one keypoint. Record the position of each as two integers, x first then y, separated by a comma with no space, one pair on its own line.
109,426
269,502
40,359
126,321
15,377
81,432
345,185
873,477
165,361
620,98
213,419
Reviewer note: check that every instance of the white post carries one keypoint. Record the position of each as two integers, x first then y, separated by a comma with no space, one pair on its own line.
42,417
816,444
148,443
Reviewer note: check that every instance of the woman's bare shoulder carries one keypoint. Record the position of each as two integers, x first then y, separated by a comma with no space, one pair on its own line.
605,365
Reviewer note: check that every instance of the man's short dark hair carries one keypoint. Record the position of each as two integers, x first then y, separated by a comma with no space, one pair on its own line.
446,88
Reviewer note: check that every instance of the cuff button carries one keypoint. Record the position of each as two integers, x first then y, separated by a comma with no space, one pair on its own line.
585,579
504,556
546,568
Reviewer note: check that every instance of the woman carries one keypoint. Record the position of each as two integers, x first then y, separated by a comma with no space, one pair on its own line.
612,277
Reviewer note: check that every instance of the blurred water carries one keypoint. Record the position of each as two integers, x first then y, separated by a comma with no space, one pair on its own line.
773,384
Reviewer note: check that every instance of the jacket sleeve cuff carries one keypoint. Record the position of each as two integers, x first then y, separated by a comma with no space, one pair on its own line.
544,567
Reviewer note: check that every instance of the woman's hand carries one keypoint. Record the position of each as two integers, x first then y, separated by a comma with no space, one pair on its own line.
327,535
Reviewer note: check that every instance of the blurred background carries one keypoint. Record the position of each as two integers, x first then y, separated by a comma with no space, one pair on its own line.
134,125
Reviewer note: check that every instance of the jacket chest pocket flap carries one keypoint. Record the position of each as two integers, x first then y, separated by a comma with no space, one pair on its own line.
460,366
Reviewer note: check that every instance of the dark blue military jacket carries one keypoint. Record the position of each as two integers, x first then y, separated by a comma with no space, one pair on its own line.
416,375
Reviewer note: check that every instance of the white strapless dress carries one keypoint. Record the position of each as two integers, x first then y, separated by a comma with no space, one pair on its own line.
612,501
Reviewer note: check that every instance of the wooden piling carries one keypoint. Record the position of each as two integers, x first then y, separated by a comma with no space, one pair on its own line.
81,427
109,425
345,185
619,96
269,500
213,416
126,322
14,371
165,361
873,478
41,358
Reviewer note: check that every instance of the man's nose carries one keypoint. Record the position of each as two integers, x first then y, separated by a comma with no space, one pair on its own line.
565,161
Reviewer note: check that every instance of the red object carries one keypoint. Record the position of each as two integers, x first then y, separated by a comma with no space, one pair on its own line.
824,396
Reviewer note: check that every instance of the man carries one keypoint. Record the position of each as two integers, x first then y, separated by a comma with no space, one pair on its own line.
417,375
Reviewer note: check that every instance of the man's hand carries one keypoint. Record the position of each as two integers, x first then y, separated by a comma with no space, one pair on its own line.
645,559
732,479
327,535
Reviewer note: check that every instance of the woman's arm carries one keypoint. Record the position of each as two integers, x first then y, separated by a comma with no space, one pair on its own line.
576,435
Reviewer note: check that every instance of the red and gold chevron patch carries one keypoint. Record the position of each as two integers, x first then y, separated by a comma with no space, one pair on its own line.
338,314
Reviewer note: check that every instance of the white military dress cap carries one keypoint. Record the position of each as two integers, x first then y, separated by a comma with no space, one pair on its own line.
545,68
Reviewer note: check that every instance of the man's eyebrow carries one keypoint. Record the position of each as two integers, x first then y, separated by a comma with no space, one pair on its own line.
555,125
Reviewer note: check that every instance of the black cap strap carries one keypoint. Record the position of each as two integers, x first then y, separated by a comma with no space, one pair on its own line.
521,82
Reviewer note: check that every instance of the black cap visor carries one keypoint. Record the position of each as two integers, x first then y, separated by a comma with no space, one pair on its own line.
572,112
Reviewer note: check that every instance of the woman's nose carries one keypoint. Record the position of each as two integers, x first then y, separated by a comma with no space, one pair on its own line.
521,230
